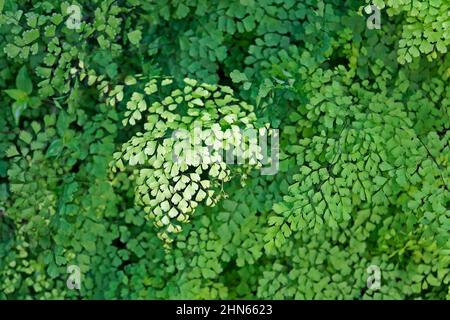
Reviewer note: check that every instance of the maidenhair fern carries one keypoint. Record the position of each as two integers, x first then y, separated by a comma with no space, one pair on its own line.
134,137
426,26
180,159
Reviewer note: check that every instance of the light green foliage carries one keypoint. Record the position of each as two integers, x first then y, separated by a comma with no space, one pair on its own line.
170,182
93,120
21,94
426,27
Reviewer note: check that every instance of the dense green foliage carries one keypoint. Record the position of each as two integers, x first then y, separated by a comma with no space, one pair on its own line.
87,178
